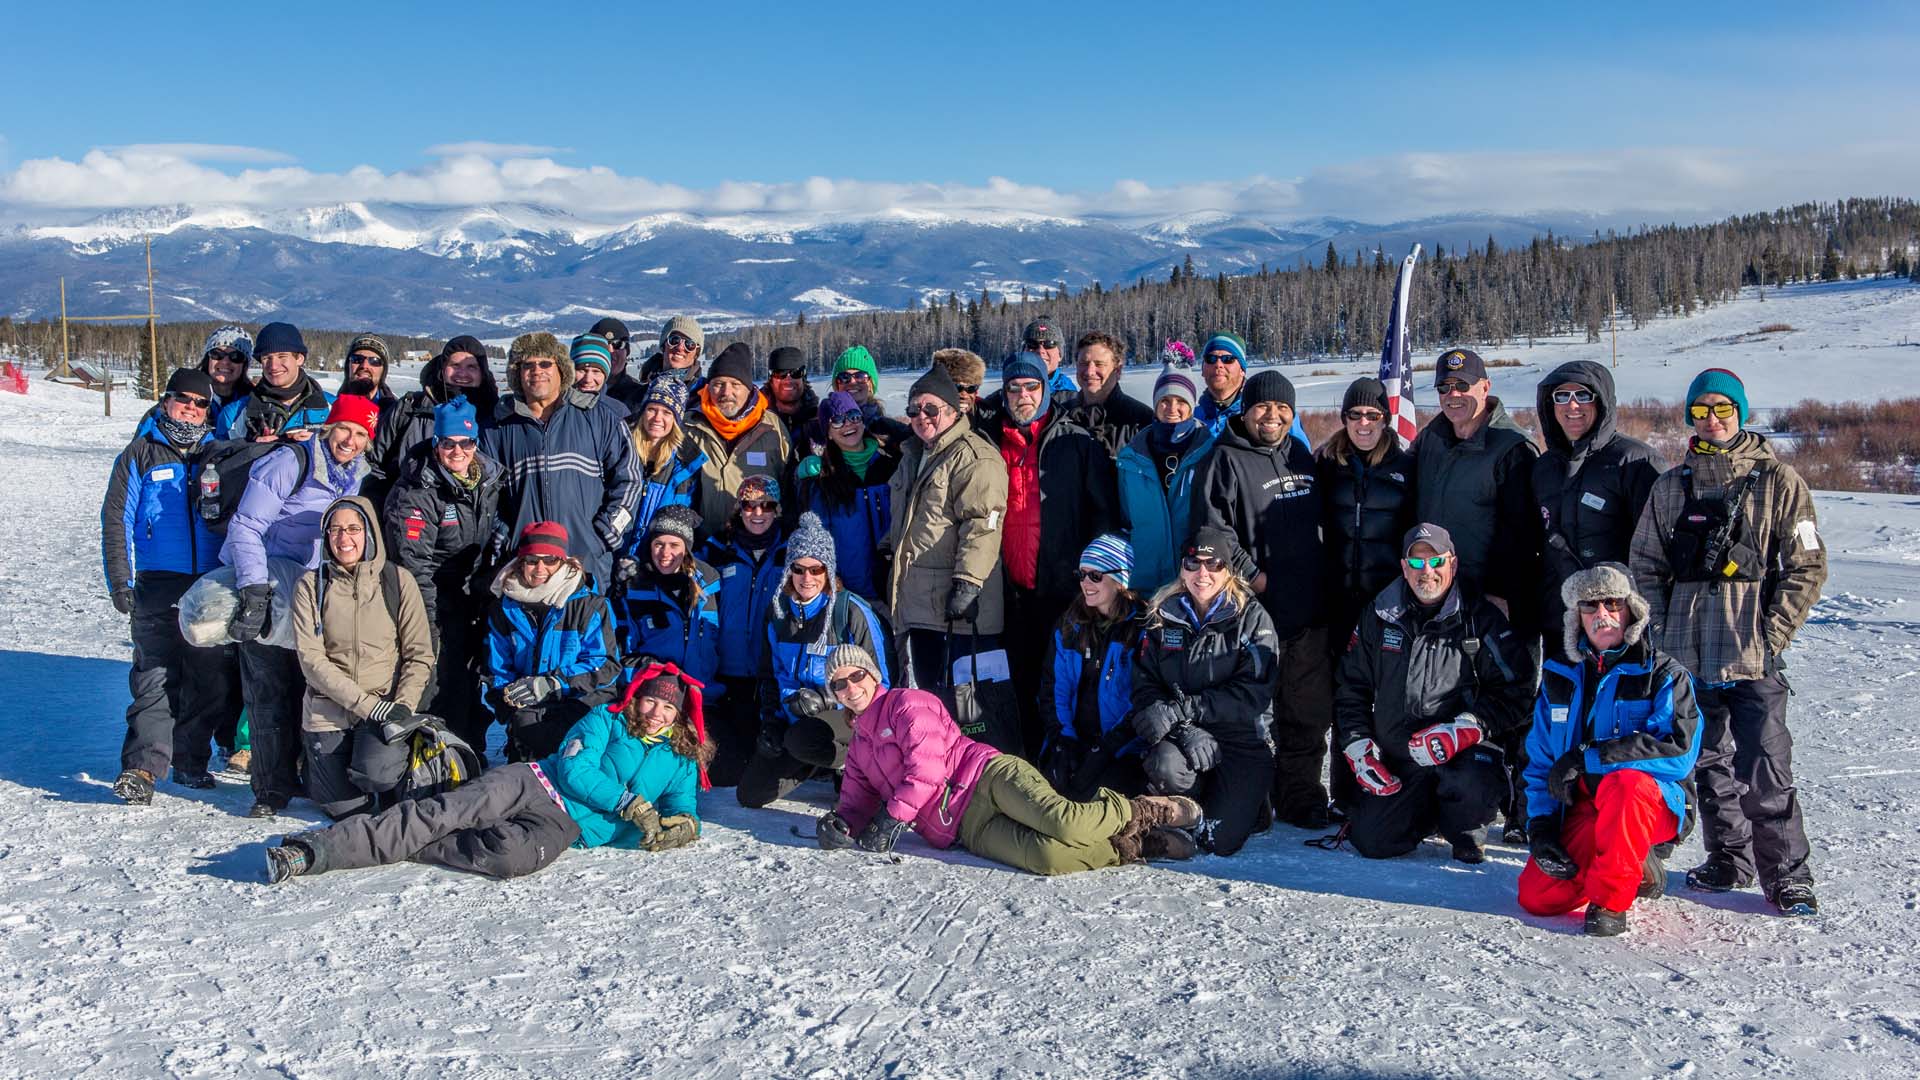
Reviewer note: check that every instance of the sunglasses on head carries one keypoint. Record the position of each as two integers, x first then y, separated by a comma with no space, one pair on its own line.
680,341
456,443
536,365
1723,410
366,360
540,560
1095,576
1365,416
191,401
1573,397
859,676
1611,603
850,375
1195,563
931,412
1418,563
809,571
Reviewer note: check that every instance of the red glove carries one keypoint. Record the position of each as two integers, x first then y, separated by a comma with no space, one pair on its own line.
1363,755
1441,743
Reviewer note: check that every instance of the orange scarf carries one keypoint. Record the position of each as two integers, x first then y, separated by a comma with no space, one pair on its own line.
732,429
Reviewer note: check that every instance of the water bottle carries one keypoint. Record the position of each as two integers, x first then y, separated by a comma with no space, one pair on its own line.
210,492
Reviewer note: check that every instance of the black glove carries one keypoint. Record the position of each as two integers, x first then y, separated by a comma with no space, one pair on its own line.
1198,744
1566,775
772,741
250,621
963,603
1543,842
123,599
807,703
880,833
396,721
831,830
1154,721
1059,761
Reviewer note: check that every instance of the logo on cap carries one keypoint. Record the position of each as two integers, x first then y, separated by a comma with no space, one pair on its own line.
1455,360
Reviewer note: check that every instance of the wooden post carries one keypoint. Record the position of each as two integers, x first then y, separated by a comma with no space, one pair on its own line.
65,370
153,332
1613,326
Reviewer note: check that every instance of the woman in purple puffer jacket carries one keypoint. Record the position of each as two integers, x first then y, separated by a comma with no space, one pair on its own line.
909,767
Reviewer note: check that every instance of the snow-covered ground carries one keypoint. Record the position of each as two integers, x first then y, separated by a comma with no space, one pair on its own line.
141,942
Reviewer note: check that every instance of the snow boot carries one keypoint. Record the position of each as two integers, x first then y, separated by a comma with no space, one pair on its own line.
1718,874
194,781
1165,844
1794,898
239,764
135,787
1653,878
1469,850
1604,923
263,809
1310,816
1514,833
1126,842
289,860
1153,811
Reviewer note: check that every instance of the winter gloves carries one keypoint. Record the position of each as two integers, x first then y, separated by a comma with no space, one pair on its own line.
832,832
880,833
1156,720
676,830
645,818
1363,756
396,721
1202,750
624,569
250,621
1566,776
1543,842
963,603
1438,744
806,703
123,599
527,692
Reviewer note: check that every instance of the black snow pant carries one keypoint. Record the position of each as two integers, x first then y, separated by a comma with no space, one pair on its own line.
1231,794
733,721
810,746
1302,721
536,733
1028,636
459,644
227,703
502,824
348,771
1749,809
271,683
1457,799
178,690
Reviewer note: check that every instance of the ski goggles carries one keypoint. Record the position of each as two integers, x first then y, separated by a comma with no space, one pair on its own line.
1573,397
1434,561
1720,410
859,676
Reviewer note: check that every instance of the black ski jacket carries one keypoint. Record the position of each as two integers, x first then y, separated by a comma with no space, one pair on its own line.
1114,421
1479,490
1365,510
444,532
1079,500
1267,497
1219,667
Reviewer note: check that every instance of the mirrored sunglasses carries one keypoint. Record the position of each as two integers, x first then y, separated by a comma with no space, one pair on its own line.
859,676
1573,397
1724,410
1435,561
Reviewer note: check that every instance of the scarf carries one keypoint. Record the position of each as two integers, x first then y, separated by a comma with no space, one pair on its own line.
757,545
281,396
1700,444
1165,437
340,477
563,584
178,433
858,460
731,429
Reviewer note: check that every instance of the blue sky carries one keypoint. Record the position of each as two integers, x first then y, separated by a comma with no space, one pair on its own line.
1339,103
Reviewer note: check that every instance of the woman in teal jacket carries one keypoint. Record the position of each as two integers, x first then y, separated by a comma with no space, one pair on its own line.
1156,480
625,776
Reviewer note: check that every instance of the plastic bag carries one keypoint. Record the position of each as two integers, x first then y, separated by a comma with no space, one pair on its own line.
207,607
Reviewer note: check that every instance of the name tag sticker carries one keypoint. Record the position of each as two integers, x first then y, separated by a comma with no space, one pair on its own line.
756,457
1808,536
1594,501
1556,714
164,472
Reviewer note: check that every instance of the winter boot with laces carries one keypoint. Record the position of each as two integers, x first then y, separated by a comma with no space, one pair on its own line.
135,787
290,860
1718,874
1126,842
1794,898
1165,844
1154,811
239,764
1653,878
1604,923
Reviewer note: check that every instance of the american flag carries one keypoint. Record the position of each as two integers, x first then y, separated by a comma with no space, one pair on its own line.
1396,360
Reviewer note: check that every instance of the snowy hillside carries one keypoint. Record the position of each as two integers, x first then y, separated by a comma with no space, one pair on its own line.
141,942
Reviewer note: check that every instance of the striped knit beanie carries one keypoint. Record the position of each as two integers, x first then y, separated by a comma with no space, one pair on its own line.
1226,342
592,349
1176,382
1112,554
853,656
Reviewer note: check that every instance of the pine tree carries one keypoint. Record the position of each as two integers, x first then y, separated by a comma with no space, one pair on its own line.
1830,263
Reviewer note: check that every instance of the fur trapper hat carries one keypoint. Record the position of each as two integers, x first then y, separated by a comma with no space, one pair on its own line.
1602,581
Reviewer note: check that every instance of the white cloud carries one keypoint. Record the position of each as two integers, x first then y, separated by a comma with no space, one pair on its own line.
492,151
1678,181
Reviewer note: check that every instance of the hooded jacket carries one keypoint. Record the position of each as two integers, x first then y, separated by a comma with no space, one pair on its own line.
600,767
800,636
352,651
411,422
1732,630
746,591
257,414
1480,490
1076,490
1219,666
909,759
1402,674
442,531
147,520
760,450
575,467
573,642
857,511
1269,499
675,619
1590,492
279,520
1159,516
1365,511
949,501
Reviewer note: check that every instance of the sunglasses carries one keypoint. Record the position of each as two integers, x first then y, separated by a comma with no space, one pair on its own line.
1611,603
968,388
540,560
1724,410
859,676
536,365
931,412
1035,345
1435,561
366,360
1222,358
850,375
681,341
848,419
789,374
760,506
1573,397
1195,563
191,401
1365,416
1453,386
457,444
809,571
1095,576
231,356
616,344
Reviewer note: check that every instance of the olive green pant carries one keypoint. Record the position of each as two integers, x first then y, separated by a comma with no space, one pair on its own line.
1015,817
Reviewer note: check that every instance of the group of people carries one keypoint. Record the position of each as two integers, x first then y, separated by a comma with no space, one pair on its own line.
692,577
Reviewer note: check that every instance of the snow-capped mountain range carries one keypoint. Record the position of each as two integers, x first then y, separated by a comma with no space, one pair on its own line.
493,269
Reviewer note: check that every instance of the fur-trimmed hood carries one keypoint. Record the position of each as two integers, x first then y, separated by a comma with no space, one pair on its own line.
1600,582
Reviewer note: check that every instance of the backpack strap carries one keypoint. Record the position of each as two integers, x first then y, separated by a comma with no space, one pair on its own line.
390,592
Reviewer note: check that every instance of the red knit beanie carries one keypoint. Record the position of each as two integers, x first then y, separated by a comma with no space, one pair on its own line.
355,409
543,538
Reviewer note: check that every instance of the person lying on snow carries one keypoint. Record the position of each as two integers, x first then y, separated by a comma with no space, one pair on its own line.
1616,733
624,777
910,768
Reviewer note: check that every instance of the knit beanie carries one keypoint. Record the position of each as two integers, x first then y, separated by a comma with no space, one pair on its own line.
666,687
1365,393
191,381
811,540
357,410
279,337
455,419
1267,386
734,362
372,343
610,328
1024,365
759,487
838,403
684,324
542,538
787,358
1176,382
936,382
1228,342
859,359
680,521
1717,381
592,350
1111,554
966,367
229,337
667,390
853,656
1043,331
